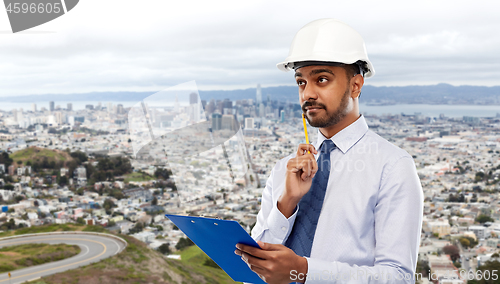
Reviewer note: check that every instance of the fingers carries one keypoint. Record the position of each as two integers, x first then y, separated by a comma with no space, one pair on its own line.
251,260
257,252
306,165
272,262
304,162
263,246
303,148
269,246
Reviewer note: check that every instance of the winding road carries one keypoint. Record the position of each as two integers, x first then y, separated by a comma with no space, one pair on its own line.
94,247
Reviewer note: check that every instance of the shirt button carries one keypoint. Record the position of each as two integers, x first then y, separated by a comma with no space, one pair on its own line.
283,229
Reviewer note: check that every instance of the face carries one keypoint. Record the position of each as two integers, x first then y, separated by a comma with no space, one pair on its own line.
324,94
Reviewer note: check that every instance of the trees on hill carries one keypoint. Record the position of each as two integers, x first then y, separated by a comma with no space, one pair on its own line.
162,173
164,248
139,226
183,243
79,156
5,159
468,242
108,168
108,205
484,218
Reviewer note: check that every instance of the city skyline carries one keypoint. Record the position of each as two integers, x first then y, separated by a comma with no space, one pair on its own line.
79,167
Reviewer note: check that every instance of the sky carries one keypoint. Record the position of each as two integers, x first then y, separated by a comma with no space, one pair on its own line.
150,45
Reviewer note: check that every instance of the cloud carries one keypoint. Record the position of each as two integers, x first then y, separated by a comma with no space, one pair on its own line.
150,45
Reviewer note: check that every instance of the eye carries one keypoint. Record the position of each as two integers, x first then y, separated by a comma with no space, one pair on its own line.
322,80
300,82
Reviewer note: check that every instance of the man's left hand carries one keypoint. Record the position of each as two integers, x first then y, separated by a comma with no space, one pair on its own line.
275,264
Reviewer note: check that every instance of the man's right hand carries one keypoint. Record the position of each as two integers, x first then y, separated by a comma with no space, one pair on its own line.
299,173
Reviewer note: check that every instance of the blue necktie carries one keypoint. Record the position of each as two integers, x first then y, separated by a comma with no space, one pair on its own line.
302,234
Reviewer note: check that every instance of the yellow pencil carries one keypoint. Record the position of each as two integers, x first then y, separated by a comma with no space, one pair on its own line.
305,131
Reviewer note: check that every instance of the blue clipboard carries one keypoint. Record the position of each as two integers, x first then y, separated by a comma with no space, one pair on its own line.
218,239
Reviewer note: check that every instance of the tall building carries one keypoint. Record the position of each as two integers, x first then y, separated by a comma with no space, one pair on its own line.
219,106
210,108
262,110
80,119
249,123
193,98
69,107
268,110
33,107
110,108
227,103
471,120
194,104
259,94
216,121
59,117
20,115
227,106
51,105
228,122
120,109
282,116
14,114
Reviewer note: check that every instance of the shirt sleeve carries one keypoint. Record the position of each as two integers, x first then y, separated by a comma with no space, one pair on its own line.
272,226
398,223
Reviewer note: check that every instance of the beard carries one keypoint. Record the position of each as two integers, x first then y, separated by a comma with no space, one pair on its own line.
330,118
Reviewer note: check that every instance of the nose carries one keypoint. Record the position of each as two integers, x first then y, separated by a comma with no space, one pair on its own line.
309,92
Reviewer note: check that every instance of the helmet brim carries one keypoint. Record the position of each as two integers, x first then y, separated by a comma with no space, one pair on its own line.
286,66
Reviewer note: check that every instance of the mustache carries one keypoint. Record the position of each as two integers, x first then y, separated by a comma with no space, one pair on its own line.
312,104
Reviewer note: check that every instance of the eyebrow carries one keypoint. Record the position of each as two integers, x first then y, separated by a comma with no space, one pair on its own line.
315,72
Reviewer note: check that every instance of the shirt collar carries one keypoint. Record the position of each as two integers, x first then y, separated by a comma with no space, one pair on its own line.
347,137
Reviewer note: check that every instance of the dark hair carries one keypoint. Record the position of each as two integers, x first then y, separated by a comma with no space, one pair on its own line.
359,67
351,70
354,69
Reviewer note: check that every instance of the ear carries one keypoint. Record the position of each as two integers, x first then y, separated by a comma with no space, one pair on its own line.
356,85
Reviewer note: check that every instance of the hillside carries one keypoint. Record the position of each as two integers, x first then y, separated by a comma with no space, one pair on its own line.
139,264
27,255
40,156
52,228
136,264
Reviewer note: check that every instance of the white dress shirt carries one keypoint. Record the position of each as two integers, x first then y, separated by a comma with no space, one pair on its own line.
369,227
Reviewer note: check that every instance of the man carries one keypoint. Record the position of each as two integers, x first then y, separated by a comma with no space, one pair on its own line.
347,209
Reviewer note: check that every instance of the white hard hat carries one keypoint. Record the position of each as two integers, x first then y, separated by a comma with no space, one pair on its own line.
327,41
